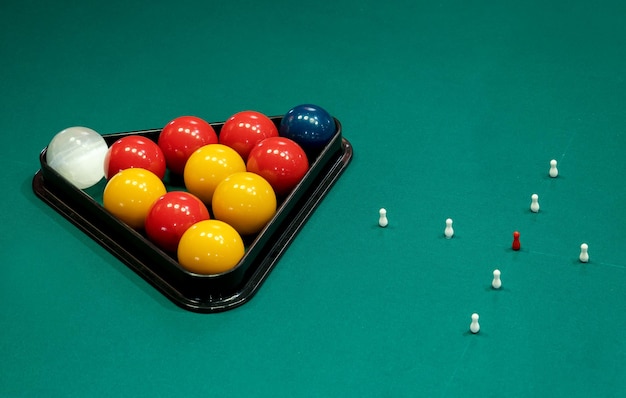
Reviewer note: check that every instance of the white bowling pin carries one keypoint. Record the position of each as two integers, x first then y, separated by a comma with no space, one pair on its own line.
449,231
534,203
382,220
474,326
553,170
497,282
584,254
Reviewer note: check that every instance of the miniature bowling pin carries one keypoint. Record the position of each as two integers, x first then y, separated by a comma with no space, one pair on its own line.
584,254
497,282
382,220
516,245
449,231
553,170
474,326
534,203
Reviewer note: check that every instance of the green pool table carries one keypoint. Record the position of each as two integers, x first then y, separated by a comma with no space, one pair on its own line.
453,110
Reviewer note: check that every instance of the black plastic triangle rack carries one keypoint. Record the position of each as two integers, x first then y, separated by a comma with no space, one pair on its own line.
195,292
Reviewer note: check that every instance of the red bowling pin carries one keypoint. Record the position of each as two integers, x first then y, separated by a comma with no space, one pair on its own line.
516,243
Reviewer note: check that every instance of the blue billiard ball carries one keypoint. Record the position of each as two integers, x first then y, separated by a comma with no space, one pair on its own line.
308,125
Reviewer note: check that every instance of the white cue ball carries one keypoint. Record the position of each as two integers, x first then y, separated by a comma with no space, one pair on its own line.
77,153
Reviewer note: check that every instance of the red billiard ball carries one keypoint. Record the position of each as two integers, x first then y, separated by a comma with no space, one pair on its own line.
134,151
171,215
181,137
279,160
244,130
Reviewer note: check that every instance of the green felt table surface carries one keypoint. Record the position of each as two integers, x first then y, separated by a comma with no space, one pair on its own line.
454,109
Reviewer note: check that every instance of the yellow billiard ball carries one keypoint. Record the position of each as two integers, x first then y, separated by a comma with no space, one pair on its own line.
246,201
129,195
208,166
210,247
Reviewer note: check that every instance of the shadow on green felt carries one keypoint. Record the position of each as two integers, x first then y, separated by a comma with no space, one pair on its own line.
91,245
441,236
526,211
376,226
489,288
479,334
555,179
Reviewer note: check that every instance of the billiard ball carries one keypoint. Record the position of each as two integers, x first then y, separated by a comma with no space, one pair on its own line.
77,154
129,195
244,130
280,161
208,166
134,151
181,137
308,125
210,247
171,215
246,201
